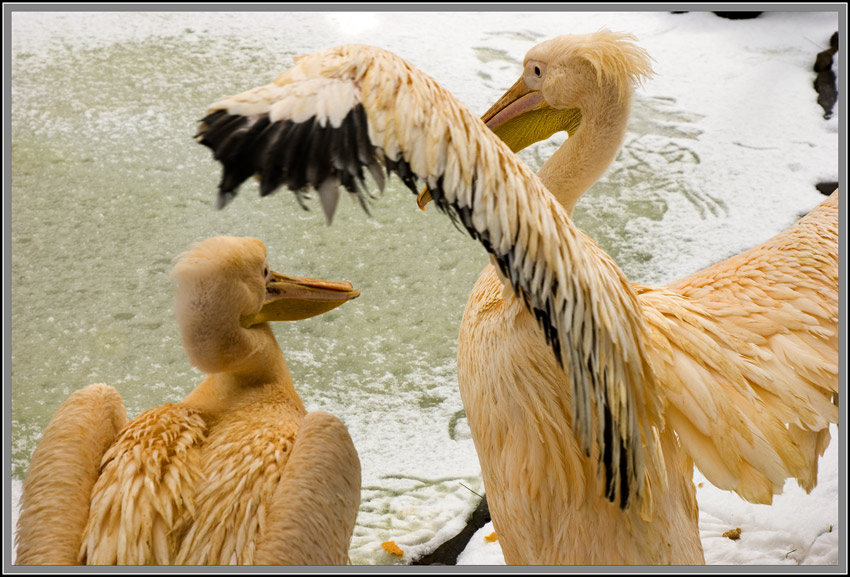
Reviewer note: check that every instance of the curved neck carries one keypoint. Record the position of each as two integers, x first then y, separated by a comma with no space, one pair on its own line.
240,363
262,374
585,155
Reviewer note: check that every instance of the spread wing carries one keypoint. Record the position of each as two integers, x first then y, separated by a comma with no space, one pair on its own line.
746,353
345,112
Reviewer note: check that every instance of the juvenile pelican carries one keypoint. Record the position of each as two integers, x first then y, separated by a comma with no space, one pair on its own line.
236,473
567,380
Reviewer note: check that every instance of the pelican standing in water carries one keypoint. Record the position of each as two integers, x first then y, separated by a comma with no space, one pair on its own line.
236,473
587,396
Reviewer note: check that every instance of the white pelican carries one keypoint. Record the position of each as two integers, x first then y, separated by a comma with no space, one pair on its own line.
568,375
236,473
773,304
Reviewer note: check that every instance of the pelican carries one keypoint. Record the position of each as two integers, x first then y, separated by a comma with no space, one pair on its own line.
772,305
580,397
236,473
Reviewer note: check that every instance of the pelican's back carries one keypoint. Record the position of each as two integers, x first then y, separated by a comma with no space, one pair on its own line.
180,487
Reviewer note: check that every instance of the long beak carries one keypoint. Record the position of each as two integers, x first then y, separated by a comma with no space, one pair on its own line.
520,118
293,299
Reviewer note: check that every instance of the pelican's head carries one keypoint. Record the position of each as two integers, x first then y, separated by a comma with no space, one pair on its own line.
563,78
225,288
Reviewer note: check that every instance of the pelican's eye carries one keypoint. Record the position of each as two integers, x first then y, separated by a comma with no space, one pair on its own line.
533,72
266,272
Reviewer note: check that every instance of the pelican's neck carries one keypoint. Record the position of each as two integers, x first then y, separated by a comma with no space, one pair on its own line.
260,375
585,155
241,364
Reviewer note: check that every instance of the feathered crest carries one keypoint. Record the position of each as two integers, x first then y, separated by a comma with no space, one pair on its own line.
613,55
218,255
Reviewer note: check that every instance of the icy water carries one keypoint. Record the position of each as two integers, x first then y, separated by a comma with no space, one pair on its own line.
108,186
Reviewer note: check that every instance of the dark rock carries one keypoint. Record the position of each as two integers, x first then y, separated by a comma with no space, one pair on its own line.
824,59
447,553
825,81
738,15
827,93
730,15
823,62
826,188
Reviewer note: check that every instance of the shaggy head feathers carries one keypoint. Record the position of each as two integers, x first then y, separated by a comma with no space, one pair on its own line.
218,256
218,281
613,56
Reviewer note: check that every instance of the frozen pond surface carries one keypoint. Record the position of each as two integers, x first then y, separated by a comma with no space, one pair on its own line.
725,146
